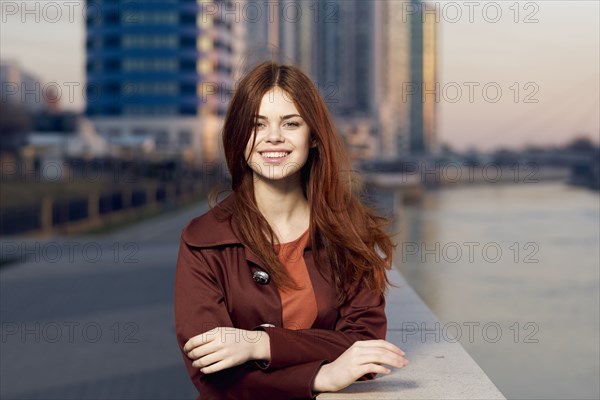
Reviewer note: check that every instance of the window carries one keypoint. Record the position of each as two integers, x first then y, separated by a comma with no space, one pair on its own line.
149,41
111,42
139,132
150,88
134,17
185,138
150,64
113,133
140,109
162,139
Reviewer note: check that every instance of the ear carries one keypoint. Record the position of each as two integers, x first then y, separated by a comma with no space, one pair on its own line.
313,142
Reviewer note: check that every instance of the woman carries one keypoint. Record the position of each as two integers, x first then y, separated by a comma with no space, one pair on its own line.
279,290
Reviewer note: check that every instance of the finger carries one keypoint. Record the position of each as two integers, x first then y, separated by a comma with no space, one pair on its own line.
380,351
198,340
213,368
382,343
393,358
188,345
392,347
207,360
201,351
378,369
192,343
388,358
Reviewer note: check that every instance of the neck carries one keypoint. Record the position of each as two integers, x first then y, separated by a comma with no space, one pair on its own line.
282,202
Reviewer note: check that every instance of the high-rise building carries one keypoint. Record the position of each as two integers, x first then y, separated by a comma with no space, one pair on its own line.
342,65
18,86
406,71
430,83
161,69
392,62
258,27
276,31
423,75
343,57
331,41
374,63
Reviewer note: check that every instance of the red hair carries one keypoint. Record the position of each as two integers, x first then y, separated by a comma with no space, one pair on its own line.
350,231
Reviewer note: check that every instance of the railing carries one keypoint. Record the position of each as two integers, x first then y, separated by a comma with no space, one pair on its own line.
97,209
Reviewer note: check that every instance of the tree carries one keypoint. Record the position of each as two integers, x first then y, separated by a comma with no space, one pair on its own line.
581,144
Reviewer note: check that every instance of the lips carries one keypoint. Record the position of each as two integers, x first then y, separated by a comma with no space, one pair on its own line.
274,156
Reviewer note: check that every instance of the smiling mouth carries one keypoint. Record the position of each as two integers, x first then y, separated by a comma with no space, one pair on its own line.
275,155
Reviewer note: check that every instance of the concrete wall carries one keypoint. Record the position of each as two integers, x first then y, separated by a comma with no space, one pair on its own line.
437,369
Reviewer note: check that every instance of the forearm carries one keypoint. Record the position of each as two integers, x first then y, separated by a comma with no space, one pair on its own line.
291,383
292,347
362,317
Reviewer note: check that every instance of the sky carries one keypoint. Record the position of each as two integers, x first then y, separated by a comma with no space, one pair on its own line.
510,74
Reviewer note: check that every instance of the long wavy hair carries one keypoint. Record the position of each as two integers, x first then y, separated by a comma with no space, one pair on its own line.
350,231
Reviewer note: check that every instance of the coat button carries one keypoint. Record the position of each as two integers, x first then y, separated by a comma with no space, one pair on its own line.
261,277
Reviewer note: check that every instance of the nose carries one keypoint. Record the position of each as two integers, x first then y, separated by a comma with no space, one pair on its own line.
274,135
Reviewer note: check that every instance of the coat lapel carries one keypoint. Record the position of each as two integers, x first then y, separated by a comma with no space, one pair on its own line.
215,229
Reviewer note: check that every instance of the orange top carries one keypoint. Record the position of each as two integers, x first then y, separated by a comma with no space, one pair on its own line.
299,307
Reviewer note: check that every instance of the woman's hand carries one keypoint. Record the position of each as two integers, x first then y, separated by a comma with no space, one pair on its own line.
222,347
363,357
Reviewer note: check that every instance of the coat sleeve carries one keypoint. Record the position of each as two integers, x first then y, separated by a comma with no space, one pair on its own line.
362,317
199,306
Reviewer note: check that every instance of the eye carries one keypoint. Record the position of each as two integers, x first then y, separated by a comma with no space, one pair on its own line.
294,124
258,124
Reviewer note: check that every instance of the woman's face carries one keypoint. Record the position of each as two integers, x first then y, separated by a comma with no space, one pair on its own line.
282,138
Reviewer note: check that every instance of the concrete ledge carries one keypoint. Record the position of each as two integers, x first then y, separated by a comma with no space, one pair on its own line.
438,369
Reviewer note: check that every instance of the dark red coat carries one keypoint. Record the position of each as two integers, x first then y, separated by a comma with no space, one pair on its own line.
214,287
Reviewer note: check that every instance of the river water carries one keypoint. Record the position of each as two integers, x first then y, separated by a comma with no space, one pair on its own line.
512,272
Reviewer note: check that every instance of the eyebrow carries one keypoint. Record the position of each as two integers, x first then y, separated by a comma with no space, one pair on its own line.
281,117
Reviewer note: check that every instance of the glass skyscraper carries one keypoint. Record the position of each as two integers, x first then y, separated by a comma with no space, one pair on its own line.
161,69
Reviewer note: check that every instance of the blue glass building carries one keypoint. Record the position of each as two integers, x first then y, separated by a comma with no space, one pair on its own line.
158,69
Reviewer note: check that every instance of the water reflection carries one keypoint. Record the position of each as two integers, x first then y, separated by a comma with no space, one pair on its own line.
515,267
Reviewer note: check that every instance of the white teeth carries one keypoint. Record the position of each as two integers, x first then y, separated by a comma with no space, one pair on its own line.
275,154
